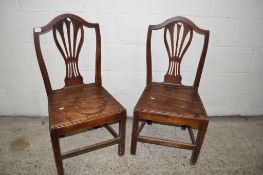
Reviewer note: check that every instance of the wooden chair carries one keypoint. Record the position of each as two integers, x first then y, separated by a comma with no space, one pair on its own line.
170,102
78,107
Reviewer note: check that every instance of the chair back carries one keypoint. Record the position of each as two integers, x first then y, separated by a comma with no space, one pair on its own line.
68,33
178,34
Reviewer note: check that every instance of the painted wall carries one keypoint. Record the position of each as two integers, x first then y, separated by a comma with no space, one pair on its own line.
232,82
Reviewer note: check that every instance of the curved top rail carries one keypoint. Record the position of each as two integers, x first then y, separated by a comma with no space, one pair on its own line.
179,19
62,17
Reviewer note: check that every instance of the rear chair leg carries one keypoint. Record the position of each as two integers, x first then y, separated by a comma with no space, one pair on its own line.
183,127
57,154
134,134
199,141
122,133
149,122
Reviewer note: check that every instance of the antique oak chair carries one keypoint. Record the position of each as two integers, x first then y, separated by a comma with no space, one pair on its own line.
78,107
171,102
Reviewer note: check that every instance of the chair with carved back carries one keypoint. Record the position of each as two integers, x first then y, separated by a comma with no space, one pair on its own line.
78,107
170,102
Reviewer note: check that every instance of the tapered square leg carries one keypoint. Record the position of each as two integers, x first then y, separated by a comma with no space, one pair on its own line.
122,133
199,142
57,154
134,134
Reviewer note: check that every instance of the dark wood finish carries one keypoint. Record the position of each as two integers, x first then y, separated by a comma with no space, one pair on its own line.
141,126
89,148
78,107
165,142
191,133
170,102
111,130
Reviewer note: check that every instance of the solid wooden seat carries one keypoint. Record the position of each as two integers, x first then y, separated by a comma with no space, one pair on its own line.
171,102
75,107
177,101
78,107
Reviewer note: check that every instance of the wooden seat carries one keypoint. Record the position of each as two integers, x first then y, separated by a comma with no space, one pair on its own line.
74,108
175,101
78,107
170,102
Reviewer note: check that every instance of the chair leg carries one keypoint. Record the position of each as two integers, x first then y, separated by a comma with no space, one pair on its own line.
134,134
57,154
149,122
199,142
122,133
183,127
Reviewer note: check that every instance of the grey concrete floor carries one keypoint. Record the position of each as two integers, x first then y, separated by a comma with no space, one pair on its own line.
233,145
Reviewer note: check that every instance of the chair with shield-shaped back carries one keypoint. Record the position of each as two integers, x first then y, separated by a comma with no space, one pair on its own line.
78,107
170,102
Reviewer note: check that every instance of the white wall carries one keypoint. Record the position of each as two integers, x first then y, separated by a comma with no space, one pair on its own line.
232,81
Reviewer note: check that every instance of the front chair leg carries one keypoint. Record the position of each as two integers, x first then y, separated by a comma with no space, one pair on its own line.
122,133
199,142
57,154
134,134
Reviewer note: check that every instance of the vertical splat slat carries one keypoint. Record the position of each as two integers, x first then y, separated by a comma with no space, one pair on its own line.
171,31
185,32
177,38
188,44
80,42
75,34
67,22
58,45
61,32
166,43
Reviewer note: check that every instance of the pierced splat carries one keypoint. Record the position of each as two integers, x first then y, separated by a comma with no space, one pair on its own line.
71,33
176,51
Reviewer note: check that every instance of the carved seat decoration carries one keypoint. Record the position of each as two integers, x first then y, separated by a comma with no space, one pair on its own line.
95,105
